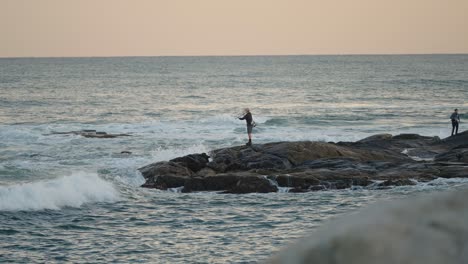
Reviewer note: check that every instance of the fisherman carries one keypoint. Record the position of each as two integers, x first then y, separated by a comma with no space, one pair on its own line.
250,124
455,117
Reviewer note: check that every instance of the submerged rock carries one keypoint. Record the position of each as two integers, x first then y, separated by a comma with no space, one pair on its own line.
91,134
396,182
310,166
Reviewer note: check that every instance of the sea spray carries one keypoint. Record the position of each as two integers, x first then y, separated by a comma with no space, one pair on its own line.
74,190
163,154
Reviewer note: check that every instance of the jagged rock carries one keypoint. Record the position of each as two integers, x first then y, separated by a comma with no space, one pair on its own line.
163,182
224,160
206,172
457,140
454,155
218,182
378,137
454,171
194,162
421,154
165,168
299,152
308,166
396,182
430,229
253,184
297,180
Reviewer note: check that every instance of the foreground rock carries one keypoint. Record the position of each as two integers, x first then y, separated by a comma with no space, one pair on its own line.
379,161
431,229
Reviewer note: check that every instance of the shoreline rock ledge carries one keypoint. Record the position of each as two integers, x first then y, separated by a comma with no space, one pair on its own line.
378,161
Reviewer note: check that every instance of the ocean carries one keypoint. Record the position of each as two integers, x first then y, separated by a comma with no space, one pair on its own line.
68,198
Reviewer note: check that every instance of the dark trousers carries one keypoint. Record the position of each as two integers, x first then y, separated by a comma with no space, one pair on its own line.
454,127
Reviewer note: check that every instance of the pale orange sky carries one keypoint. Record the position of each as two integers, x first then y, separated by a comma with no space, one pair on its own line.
55,28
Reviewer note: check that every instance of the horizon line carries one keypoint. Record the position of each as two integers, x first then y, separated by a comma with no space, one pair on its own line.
232,55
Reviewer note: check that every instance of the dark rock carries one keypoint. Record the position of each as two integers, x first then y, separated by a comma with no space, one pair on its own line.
164,182
298,190
297,180
376,138
224,160
195,184
457,140
194,162
421,153
396,182
251,185
453,171
265,161
206,172
454,155
308,166
410,137
225,181
88,133
299,152
164,168
317,188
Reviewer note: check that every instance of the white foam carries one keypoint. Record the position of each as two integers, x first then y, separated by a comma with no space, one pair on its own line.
176,189
445,182
163,154
275,183
222,119
74,191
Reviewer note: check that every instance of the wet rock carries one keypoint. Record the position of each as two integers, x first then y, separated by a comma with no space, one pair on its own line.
454,171
91,134
252,185
194,162
454,155
195,184
457,140
300,152
307,166
421,154
396,182
163,182
317,188
409,137
206,172
164,168
297,180
224,160
376,138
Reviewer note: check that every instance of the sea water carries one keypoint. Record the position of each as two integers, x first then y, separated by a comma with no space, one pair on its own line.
67,198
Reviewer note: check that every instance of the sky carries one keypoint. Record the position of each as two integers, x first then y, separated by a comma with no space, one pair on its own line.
101,28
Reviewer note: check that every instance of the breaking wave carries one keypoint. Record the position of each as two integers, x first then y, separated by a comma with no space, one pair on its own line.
73,191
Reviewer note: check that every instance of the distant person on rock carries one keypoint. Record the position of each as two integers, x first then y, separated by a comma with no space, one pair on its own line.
247,116
455,117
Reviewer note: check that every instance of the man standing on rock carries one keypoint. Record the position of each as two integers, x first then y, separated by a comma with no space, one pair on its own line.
455,117
250,124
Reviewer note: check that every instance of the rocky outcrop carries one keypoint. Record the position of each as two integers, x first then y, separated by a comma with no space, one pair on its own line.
430,229
379,161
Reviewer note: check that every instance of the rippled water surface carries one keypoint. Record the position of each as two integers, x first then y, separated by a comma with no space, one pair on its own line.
66,198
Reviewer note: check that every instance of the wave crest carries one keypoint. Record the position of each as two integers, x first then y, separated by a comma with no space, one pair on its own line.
74,191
